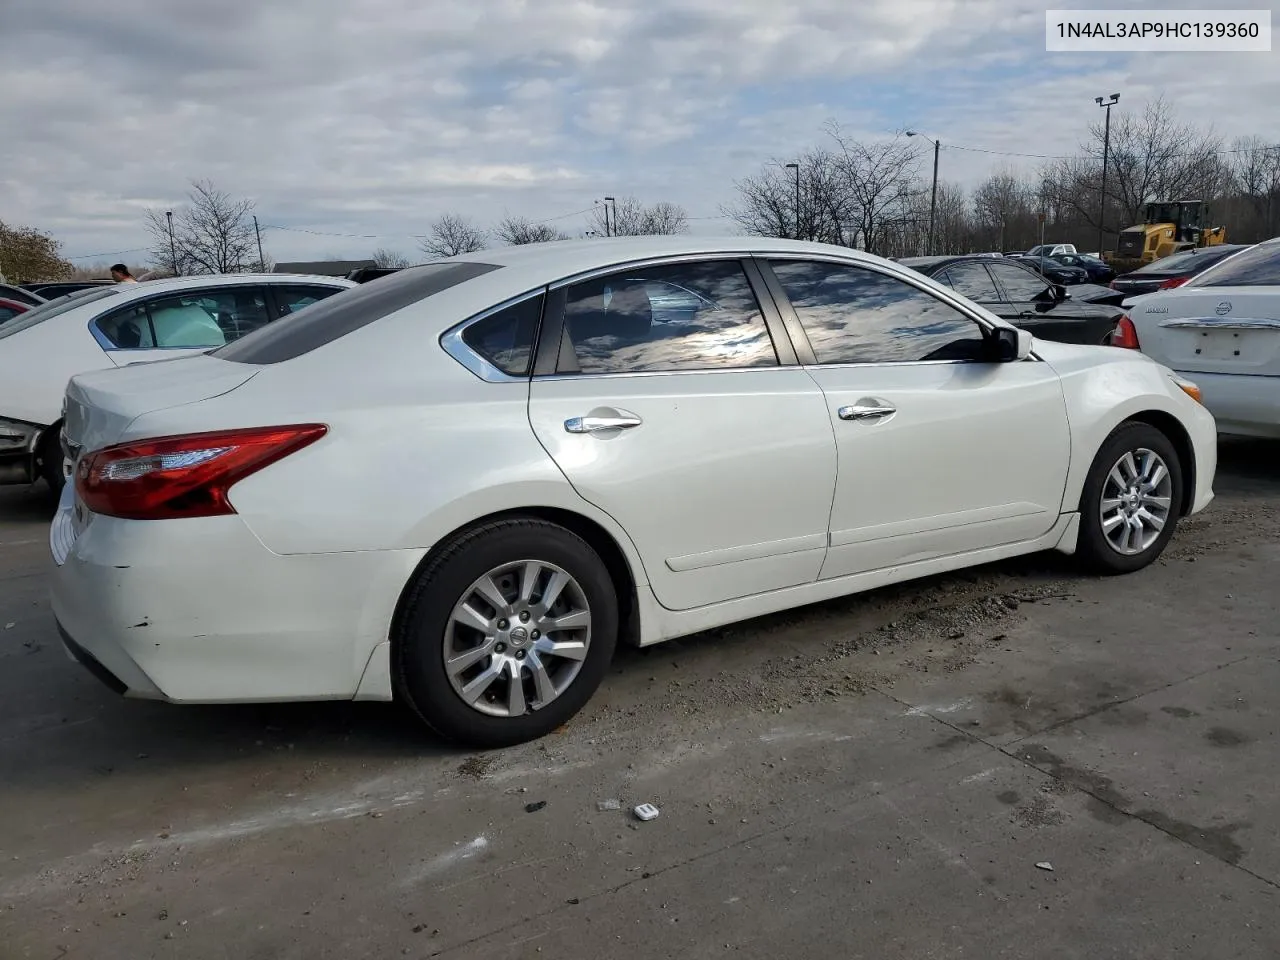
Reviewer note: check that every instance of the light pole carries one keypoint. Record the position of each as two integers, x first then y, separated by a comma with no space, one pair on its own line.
933,199
173,247
796,168
1106,149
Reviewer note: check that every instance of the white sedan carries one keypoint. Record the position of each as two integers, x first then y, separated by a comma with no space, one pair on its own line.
461,485
107,326
1223,328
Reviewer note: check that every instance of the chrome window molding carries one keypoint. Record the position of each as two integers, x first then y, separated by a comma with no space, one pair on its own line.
453,344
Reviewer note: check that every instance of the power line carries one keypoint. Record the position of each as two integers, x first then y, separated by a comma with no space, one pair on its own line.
109,253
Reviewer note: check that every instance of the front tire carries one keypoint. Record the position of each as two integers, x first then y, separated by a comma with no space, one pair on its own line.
506,634
1131,501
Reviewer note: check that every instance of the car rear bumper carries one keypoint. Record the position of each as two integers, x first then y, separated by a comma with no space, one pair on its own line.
199,611
1247,406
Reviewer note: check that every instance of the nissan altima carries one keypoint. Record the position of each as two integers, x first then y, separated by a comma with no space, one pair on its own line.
462,485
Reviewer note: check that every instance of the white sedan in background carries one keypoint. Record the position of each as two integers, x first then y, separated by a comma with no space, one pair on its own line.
461,485
1223,329
104,327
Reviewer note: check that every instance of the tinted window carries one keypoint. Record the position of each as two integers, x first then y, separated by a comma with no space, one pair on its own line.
505,338
972,280
128,328
1256,267
1185,262
291,299
353,308
8,313
1019,283
688,316
855,315
54,307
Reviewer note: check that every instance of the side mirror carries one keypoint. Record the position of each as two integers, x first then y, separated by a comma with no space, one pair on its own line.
1060,292
1012,344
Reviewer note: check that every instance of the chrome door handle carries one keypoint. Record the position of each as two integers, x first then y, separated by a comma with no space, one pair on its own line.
600,424
865,412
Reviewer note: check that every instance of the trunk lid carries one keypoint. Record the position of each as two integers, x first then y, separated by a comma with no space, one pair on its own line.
1234,330
101,405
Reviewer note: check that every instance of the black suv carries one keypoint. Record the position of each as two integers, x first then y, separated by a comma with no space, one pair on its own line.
1022,296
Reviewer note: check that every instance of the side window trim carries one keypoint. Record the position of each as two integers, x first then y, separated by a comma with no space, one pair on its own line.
555,354
793,320
453,344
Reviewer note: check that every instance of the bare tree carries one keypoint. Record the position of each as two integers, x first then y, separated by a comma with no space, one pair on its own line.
1152,157
631,218
1255,176
521,230
451,235
875,183
389,259
213,233
804,202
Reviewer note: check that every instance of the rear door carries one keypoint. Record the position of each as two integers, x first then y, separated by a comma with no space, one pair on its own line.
670,398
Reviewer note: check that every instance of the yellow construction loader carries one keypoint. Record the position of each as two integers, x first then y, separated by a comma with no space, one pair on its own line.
1168,226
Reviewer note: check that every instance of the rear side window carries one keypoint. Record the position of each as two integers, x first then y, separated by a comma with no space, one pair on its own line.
291,299
326,321
505,338
1256,267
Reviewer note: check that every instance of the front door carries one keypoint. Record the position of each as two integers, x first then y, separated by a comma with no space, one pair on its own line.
941,451
671,410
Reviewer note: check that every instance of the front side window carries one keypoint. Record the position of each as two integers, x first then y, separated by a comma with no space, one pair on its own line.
1020,283
1256,267
855,315
686,316
972,280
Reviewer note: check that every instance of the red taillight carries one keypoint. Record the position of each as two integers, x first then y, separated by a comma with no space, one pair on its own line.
184,476
1125,335
1172,282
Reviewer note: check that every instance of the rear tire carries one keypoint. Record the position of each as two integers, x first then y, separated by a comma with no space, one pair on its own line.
519,668
1131,501
49,460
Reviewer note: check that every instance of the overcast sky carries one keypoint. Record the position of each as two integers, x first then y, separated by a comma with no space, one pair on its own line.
373,117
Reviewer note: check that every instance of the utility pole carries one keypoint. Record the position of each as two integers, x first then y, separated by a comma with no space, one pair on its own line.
608,232
796,168
262,263
173,247
933,200
1106,150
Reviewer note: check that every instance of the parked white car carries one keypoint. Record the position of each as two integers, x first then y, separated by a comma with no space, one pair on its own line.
110,326
461,485
1223,329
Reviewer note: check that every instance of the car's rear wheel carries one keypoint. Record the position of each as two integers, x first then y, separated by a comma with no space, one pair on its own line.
507,633
1131,500
50,460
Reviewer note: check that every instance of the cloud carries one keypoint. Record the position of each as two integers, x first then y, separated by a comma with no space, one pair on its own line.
374,118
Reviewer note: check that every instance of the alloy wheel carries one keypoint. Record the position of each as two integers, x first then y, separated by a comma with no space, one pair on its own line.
1136,501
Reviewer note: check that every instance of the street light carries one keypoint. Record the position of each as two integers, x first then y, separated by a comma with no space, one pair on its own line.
933,201
1106,149
173,249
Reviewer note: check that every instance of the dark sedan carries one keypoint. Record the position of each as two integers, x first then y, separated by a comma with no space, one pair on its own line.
1173,270
1055,272
1023,297
20,295
1098,270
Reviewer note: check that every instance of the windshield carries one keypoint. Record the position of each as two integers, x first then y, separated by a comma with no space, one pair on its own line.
1256,267
54,307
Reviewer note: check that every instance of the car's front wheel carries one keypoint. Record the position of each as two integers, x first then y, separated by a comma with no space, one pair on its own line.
507,633
1131,500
